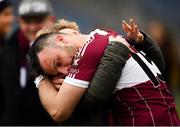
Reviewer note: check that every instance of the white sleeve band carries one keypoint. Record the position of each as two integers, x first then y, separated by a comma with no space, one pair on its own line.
38,80
76,82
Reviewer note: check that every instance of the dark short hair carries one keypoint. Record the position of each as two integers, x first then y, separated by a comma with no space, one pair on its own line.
4,4
33,61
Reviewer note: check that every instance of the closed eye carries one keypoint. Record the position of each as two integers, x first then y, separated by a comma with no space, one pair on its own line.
54,65
58,64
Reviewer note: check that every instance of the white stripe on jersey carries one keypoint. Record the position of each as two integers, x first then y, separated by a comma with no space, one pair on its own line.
73,76
167,105
70,79
85,46
151,65
146,105
81,53
100,32
88,41
91,38
129,108
76,82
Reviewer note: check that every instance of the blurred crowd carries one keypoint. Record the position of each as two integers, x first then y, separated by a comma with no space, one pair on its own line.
20,104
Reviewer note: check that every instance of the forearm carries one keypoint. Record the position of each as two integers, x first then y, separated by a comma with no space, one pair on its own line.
145,43
59,104
152,50
47,95
106,77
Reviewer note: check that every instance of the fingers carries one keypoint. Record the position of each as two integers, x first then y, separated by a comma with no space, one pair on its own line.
136,29
58,76
129,28
121,40
57,87
57,81
132,25
126,26
132,31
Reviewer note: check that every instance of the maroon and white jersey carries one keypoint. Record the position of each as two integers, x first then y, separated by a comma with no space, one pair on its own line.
87,59
141,97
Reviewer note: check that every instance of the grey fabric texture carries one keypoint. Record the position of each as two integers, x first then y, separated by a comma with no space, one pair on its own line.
90,110
109,71
106,77
93,107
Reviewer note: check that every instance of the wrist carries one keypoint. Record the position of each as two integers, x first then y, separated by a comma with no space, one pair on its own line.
140,38
38,80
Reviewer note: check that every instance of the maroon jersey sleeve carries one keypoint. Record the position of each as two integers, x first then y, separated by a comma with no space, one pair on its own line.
87,60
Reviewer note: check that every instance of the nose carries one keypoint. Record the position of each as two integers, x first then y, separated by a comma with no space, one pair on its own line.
63,70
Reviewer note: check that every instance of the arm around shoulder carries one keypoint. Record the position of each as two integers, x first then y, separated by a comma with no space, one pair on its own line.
106,77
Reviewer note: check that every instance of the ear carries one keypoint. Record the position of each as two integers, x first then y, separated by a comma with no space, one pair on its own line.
76,32
53,18
59,38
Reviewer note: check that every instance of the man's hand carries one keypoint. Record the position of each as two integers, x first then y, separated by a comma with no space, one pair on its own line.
59,104
57,82
121,40
132,31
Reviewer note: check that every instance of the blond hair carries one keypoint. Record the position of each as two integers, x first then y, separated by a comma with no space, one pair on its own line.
59,25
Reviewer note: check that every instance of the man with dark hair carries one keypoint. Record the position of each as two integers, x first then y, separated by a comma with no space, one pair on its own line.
6,20
55,56
22,102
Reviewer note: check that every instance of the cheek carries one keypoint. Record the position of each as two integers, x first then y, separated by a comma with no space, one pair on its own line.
38,26
42,24
4,21
68,60
45,64
9,18
23,26
47,22
5,25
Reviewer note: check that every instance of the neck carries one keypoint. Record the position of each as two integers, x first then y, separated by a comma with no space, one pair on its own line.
82,40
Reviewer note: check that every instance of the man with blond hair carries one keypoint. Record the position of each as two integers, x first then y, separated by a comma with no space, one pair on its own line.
131,102
60,26
82,114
